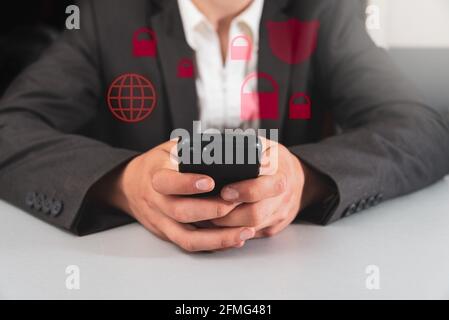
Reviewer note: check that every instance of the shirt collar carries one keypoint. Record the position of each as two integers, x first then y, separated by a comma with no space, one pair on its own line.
251,18
192,18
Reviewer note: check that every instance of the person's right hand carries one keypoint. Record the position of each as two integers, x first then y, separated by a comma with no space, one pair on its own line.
151,189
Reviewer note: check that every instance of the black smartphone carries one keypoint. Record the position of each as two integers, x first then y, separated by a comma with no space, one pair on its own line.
225,157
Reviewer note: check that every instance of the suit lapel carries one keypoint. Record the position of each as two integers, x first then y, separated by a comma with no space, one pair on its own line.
271,65
172,49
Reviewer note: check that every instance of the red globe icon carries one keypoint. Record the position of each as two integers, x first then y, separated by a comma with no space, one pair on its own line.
131,98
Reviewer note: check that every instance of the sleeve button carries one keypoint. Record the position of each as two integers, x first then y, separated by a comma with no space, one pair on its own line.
379,198
371,201
352,209
30,198
46,206
56,208
361,206
39,201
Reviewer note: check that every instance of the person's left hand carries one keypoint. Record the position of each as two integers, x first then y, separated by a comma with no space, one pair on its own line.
271,201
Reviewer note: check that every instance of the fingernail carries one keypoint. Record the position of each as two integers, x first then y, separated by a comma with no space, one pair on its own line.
240,244
230,194
203,184
246,234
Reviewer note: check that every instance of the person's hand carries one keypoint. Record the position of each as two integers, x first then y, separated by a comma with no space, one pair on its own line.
272,201
152,190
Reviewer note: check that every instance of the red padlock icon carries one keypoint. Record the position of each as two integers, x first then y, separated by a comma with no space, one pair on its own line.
144,47
302,110
241,52
186,68
293,41
259,105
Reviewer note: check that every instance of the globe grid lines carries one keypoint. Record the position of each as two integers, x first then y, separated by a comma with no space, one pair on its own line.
116,97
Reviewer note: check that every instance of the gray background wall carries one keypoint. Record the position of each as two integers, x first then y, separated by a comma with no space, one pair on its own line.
416,32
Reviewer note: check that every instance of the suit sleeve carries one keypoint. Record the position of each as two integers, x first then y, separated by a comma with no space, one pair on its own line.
45,168
391,143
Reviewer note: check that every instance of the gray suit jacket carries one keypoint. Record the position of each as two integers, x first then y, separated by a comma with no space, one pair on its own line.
57,136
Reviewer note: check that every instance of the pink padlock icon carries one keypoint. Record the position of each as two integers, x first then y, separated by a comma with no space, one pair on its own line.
300,110
186,68
259,105
144,47
241,52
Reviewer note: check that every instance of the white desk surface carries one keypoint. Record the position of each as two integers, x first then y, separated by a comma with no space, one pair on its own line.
407,238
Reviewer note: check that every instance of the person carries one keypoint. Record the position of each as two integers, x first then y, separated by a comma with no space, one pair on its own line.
66,159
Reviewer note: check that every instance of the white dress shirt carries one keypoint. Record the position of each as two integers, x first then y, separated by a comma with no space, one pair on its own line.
219,85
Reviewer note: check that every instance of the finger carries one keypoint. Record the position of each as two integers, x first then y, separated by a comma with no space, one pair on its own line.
270,157
168,146
257,215
273,230
144,217
239,245
150,227
171,182
206,239
278,225
266,143
255,190
190,210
